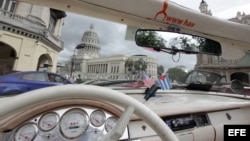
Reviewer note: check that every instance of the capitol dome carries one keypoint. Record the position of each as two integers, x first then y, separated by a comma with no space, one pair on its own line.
89,46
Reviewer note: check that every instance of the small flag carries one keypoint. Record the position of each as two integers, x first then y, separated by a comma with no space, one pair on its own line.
148,82
164,82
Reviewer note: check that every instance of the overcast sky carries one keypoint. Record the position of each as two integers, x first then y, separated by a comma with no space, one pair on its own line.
112,35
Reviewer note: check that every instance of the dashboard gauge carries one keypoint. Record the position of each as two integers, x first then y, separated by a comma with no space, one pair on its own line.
48,121
110,123
26,132
97,118
74,123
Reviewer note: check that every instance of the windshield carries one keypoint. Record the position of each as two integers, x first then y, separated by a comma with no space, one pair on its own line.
127,70
90,50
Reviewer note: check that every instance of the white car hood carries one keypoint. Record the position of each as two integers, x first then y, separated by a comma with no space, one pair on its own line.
181,102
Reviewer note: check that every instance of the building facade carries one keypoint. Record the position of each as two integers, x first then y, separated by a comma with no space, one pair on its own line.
88,64
233,63
30,36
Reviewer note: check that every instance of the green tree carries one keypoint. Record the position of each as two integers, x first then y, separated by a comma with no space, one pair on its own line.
150,39
207,46
177,73
129,64
182,43
160,69
140,65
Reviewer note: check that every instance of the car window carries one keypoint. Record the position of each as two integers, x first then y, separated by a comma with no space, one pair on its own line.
28,76
57,78
33,76
39,77
51,78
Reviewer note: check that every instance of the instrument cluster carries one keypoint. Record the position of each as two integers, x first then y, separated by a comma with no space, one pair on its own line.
67,124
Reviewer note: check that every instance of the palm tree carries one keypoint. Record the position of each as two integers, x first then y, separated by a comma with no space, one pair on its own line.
140,65
160,70
150,39
129,63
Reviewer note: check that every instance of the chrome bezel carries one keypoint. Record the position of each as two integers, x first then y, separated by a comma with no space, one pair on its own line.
77,110
22,126
110,118
46,114
103,116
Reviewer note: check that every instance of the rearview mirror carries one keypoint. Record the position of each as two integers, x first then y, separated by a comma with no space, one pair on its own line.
176,42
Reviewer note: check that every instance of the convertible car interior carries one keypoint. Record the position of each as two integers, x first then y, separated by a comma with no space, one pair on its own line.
81,112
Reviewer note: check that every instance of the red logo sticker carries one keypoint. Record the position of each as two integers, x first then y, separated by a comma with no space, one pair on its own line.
170,19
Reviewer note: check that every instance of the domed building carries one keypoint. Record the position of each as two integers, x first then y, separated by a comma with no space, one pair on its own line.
88,64
89,47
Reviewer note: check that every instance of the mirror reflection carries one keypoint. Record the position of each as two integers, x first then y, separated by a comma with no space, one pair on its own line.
176,42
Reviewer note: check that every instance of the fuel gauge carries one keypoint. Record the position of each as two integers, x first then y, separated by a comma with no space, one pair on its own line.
48,121
110,123
97,118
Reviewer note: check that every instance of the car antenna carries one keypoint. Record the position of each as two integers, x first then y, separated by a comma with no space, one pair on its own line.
150,92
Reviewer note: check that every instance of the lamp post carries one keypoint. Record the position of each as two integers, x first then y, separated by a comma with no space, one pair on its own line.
140,66
97,75
73,59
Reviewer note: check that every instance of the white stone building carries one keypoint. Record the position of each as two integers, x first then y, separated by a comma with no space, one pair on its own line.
233,63
88,63
29,36
204,8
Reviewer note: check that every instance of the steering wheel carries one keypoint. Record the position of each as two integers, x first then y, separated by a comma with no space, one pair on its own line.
131,106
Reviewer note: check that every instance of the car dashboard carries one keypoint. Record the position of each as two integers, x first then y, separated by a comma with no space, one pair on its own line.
85,122
71,116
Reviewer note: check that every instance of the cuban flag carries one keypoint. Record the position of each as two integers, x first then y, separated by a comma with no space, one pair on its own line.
164,82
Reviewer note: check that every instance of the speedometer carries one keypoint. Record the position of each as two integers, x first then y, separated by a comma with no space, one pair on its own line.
74,123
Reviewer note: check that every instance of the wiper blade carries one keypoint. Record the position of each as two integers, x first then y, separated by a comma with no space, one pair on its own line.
108,83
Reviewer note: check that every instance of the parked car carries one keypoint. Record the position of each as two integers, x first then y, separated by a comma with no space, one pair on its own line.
211,81
20,82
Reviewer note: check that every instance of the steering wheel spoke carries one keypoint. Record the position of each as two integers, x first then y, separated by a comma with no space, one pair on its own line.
116,133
